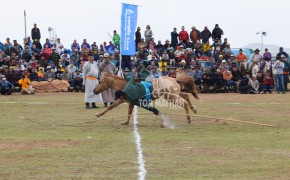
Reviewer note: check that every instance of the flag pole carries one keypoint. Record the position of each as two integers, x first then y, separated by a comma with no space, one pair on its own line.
120,72
25,23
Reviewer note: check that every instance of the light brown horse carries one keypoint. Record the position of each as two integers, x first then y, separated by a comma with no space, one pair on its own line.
174,90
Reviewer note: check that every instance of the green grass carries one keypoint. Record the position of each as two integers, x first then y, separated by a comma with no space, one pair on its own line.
104,149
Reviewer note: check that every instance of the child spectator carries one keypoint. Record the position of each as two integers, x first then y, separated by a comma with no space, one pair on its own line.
253,85
268,84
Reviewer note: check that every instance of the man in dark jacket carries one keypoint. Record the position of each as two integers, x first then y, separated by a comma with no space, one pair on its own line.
35,33
205,35
195,34
137,37
217,33
5,86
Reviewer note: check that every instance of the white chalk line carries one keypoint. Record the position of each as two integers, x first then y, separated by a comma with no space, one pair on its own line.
142,171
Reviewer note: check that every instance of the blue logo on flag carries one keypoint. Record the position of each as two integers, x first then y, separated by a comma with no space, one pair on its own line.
128,27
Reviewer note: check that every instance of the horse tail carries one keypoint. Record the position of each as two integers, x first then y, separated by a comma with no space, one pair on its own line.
187,85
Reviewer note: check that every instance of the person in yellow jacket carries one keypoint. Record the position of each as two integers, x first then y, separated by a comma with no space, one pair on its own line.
207,49
26,88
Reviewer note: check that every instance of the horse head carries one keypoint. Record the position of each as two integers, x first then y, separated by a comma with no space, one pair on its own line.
102,85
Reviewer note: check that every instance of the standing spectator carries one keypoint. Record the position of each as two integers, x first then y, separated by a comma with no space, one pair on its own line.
195,35
285,71
281,52
75,45
279,78
217,33
255,58
90,75
86,44
116,39
59,46
17,48
8,43
174,38
148,34
108,68
205,35
35,33
267,56
183,35
241,58
137,38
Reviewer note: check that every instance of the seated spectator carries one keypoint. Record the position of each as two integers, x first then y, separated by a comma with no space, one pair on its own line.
206,80
71,68
207,49
229,83
197,76
171,58
268,84
172,74
49,75
25,88
237,76
218,80
33,75
164,72
133,74
6,87
253,85
46,52
244,84
198,49
77,79
232,62
223,66
165,58
227,49
154,73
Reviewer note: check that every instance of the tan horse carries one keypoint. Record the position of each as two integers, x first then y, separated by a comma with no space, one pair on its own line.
174,90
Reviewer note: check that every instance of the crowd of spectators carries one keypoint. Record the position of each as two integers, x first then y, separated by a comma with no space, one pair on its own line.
184,52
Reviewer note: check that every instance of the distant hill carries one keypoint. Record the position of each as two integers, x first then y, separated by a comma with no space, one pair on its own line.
274,49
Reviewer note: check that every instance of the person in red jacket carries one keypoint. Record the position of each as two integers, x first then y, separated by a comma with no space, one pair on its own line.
183,35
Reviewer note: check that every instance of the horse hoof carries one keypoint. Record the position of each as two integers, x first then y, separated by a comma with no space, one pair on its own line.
194,110
98,115
124,123
162,126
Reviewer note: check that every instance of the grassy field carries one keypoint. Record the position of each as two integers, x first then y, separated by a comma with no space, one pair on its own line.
35,143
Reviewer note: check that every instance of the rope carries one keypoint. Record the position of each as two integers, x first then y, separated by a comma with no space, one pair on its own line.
143,114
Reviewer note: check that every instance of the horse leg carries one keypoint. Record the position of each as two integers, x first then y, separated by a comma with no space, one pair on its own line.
112,106
187,98
130,110
182,103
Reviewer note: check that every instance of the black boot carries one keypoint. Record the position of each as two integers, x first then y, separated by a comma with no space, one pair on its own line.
94,105
88,106
106,104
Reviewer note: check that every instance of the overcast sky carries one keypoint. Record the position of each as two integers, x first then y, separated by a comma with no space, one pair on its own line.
93,20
